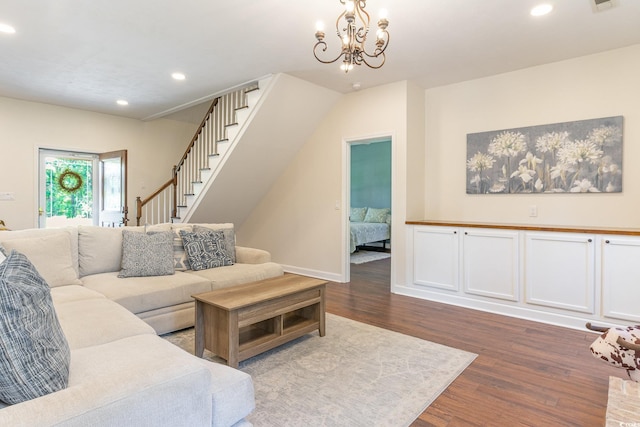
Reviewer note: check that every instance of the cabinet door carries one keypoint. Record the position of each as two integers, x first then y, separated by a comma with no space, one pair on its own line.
490,263
621,278
560,271
435,257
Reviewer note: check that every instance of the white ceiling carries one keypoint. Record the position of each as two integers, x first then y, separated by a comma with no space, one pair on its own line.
89,53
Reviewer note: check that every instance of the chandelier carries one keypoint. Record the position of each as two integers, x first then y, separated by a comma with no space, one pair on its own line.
352,27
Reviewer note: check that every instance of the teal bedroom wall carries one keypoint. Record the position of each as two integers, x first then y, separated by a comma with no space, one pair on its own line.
371,175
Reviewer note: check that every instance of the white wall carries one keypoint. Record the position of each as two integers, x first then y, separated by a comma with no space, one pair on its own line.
297,220
589,87
153,147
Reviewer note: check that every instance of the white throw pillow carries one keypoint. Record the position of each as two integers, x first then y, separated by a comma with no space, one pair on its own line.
51,256
100,248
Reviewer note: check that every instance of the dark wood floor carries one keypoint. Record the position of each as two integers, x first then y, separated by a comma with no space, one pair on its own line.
526,373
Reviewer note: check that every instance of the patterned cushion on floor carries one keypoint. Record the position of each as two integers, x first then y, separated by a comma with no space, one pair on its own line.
34,353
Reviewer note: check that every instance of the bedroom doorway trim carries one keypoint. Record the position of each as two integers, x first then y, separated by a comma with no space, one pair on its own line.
346,193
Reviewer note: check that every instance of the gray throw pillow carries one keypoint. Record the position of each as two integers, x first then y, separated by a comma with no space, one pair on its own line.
206,249
147,254
229,238
34,353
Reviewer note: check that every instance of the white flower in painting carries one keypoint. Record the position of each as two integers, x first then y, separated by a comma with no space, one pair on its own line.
604,135
508,144
561,170
524,173
551,141
480,162
579,152
530,160
475,180
610,188
584,186
538,185
497,188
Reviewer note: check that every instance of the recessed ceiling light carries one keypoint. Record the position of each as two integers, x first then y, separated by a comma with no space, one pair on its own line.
122,102
541,9
6,28
178,76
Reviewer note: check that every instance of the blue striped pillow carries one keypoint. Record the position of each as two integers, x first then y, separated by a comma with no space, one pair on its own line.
34,353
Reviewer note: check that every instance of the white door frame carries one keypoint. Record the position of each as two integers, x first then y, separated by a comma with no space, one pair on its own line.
346,194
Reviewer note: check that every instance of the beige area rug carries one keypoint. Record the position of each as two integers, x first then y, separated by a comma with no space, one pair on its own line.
360,257
356,375
623,406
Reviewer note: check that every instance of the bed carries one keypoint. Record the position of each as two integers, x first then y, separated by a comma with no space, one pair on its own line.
369,225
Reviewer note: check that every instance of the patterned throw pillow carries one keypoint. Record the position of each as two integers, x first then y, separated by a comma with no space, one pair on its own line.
229,237
206,249
357,214
147,254
180,260
34,353
377,215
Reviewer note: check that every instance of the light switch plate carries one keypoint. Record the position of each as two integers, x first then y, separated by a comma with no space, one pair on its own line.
7,196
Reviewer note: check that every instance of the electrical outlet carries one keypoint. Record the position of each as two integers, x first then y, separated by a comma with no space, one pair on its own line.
533,210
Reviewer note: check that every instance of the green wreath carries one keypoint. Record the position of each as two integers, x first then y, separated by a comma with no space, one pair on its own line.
70,181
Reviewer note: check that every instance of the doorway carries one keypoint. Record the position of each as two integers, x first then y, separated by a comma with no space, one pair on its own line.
79,188
368,201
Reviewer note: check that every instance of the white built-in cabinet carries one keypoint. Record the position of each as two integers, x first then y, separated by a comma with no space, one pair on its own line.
490,264
620,268
560,277
437,249
560,271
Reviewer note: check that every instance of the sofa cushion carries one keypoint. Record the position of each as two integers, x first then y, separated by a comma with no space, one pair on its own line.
237,274
72,231
34,353
146,254
51,255
140,294
229,235
88,318
206,249
135,381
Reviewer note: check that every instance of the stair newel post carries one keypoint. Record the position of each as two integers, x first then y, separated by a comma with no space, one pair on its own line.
174,192
138,210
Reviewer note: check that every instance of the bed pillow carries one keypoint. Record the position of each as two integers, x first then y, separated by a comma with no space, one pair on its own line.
377,215
206,249
146,254
357,214
34,353
51,255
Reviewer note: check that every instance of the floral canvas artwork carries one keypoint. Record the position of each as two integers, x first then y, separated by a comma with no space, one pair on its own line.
574,157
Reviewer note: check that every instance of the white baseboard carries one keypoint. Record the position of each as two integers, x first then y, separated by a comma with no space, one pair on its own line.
324,275
527,313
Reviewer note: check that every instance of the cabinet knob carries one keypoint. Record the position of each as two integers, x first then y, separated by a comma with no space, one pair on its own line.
607,241
466,234
590,240
455,232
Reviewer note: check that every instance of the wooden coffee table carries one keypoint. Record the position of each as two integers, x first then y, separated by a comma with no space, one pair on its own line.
239,322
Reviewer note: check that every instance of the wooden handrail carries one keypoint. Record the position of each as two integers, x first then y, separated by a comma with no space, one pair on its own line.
140,203
195,137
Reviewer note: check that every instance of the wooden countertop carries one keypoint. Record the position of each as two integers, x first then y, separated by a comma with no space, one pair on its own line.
528,227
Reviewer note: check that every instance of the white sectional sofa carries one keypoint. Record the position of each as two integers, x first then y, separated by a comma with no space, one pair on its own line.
121,373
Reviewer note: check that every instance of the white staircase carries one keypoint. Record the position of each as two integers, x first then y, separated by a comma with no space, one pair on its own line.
242,146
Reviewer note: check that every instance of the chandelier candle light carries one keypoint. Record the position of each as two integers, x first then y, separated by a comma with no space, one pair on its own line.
352,27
